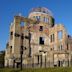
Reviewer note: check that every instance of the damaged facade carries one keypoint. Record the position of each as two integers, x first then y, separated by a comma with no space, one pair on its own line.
42,42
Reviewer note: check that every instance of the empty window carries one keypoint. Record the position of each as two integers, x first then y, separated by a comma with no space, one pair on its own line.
51,49
33,16
41,40
52,38
60,35
52,22
41,28
44,12
21,23
38,59
10,49
11,33
11,46
38,18
60,47
30,52
21,49
55,47
17,35
45,19
67,47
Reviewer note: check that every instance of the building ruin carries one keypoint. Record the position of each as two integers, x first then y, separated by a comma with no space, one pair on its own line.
42,42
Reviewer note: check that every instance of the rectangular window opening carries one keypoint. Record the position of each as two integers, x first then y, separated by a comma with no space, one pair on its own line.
46,20
38,18
10,49
38,59
41,40
22,24
67,47
11,33
60,35
41,28
61,47
52,38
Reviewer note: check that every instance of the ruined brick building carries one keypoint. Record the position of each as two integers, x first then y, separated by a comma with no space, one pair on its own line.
41,42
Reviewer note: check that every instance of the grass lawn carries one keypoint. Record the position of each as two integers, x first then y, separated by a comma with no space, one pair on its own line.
57,69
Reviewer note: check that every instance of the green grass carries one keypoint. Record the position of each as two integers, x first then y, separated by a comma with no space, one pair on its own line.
57,69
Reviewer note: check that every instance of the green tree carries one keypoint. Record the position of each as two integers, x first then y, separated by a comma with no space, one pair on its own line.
2,55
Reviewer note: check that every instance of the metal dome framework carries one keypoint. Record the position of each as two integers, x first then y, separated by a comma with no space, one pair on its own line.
42,9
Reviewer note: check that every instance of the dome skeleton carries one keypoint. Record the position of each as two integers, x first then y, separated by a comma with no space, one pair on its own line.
41,9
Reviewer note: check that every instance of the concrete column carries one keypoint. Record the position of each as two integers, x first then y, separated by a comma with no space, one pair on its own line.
69,60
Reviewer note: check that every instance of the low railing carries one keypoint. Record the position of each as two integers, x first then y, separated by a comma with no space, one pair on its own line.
43,65
48,64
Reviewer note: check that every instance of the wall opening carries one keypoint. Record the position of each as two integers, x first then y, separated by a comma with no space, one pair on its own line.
22,24
41,28
60,33
41,40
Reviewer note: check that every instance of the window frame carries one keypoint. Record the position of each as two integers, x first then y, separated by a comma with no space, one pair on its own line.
46,20
37,18
41,40
41,28
60,34
52,37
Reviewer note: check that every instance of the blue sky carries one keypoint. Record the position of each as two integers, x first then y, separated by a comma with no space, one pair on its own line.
61,9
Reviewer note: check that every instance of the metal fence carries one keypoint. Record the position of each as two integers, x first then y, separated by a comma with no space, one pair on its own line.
46,65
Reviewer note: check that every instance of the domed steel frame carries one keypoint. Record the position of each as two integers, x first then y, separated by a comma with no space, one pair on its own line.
42,9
